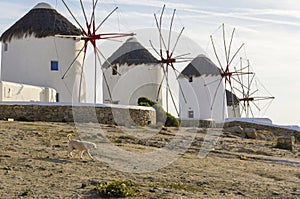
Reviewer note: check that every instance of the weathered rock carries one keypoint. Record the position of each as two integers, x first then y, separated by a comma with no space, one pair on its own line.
234,129
261,136
250,133
287,143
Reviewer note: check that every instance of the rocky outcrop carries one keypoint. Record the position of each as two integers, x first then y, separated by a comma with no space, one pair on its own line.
276,131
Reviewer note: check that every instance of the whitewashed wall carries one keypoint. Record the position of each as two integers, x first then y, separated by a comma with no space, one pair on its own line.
133,82
234,111
21,92
199,96
27,61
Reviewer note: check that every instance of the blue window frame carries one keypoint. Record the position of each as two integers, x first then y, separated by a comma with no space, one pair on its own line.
54,65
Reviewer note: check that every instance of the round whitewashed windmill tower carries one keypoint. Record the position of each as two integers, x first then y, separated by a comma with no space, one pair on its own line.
200,79
131,72
33,53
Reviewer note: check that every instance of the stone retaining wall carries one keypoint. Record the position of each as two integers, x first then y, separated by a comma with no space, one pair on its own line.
59,112
198,123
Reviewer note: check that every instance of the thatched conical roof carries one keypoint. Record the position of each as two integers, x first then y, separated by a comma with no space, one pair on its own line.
131,53
41,21
201,65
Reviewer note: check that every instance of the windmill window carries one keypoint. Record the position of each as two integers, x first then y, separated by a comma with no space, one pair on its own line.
191,79
191,114
57,97
54,65
5,47
114,70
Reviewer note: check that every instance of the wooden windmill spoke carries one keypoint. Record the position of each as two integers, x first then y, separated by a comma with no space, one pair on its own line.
256,105
215,94
240,81
170,30
253,92
212,82
169,90
98,53
159,88
242,69
73,16
92,20
106,60
173,100
95,75
83,49
238,90
106,36
263,98
160,27
162,41
84,13
236,54
251,81
154,48
177,40
225,46
69,36
180,87
183,61
106,18
243,86
183,55
232,97
251,111
231,40
176,71
215,51
81,75
243,105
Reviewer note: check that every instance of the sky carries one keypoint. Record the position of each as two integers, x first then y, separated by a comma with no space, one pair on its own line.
270,30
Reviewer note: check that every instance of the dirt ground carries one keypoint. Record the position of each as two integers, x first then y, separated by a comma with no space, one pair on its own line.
34,164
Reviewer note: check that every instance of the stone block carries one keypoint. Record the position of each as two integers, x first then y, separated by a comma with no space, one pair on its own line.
287,143
234,129
250,133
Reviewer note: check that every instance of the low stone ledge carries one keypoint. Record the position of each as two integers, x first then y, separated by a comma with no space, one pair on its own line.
63,112
198,123
277,131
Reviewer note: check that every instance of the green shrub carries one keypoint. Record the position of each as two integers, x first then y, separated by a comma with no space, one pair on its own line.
172,121
144,104
146,101
117,188
161,115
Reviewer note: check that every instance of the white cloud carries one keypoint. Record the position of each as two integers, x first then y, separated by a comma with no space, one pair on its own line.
152,3
243,16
